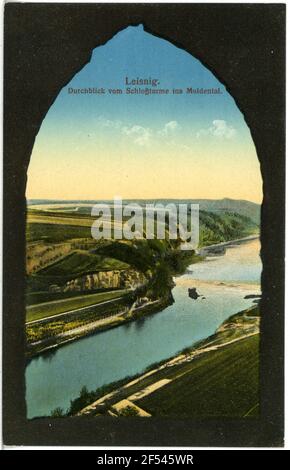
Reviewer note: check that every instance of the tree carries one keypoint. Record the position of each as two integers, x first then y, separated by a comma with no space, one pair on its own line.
57,413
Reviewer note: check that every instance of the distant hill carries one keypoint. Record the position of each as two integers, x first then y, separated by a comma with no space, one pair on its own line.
239,206
221,226
242,207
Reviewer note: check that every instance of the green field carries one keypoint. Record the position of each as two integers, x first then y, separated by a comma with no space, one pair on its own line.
220,383
37,312
82,262
58,325
54,233
40,297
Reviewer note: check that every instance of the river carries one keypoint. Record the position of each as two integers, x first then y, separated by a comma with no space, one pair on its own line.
52,380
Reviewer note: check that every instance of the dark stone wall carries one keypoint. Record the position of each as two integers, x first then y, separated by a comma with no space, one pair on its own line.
243,45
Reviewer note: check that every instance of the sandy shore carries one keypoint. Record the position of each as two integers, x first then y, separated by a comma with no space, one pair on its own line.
180,281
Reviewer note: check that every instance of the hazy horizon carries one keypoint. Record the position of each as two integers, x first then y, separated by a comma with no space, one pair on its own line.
75,200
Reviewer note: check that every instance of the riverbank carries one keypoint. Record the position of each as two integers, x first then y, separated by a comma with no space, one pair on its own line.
137,345
126,316
204,250
59,332
155,390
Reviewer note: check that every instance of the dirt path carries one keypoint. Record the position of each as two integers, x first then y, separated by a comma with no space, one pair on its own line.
229,242
90,326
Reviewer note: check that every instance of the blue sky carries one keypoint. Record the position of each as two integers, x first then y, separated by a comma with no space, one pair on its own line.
110,145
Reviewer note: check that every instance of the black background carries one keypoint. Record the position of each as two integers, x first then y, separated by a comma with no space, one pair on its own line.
243,45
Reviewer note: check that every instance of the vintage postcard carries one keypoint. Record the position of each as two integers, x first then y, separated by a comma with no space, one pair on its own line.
147,173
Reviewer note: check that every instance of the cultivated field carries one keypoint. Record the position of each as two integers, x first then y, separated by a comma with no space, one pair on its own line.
47,309
221,383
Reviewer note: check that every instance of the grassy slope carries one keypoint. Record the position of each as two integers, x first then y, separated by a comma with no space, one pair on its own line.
75,264
216,228
221,383
60,218
36,312
244,208
81,262
54,233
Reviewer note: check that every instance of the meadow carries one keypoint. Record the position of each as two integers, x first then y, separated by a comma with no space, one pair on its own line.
219,384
